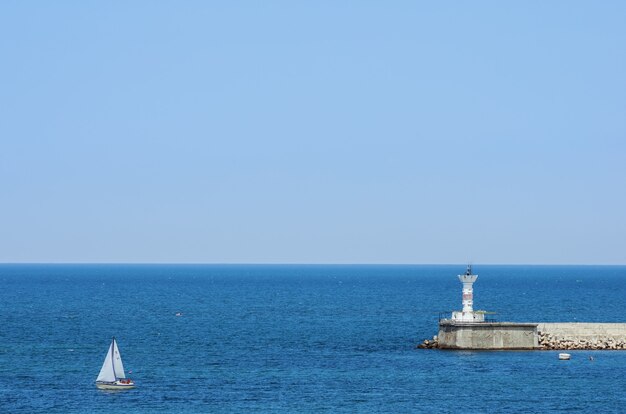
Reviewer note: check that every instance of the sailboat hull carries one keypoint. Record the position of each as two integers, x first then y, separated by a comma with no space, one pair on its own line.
117,385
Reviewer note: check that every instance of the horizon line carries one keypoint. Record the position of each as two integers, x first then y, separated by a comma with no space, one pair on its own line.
306,264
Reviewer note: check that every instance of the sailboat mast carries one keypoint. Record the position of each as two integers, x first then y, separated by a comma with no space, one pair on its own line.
113,358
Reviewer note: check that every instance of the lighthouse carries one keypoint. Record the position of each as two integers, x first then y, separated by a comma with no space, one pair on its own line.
469,329
468,314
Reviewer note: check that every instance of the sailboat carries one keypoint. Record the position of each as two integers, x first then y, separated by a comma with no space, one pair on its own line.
112,375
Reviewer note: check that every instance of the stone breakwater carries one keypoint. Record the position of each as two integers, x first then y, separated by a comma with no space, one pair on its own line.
552,342
581,335
548,341
540,336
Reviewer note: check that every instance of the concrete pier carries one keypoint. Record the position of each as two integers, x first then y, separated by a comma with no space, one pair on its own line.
487,335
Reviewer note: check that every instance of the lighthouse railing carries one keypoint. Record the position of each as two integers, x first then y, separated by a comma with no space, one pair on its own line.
447,316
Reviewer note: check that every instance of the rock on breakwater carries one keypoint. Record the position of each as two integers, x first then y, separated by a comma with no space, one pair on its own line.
429,343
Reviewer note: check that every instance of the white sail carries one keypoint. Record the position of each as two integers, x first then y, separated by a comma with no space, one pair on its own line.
118,367
112,368
107,374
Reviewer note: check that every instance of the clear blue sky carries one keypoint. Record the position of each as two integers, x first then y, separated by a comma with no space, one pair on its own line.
313,132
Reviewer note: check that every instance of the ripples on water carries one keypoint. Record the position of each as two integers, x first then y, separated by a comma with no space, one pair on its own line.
296,339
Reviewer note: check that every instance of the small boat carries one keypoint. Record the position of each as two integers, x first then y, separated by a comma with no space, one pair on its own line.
112,375
564,356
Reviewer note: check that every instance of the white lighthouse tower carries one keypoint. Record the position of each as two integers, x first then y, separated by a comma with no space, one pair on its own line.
468,314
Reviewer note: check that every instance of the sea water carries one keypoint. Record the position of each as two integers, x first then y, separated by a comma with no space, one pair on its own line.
297,339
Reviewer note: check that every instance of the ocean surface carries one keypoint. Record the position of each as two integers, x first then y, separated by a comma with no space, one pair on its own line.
297,339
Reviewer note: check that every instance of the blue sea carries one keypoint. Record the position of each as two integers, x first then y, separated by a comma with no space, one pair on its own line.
297,339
